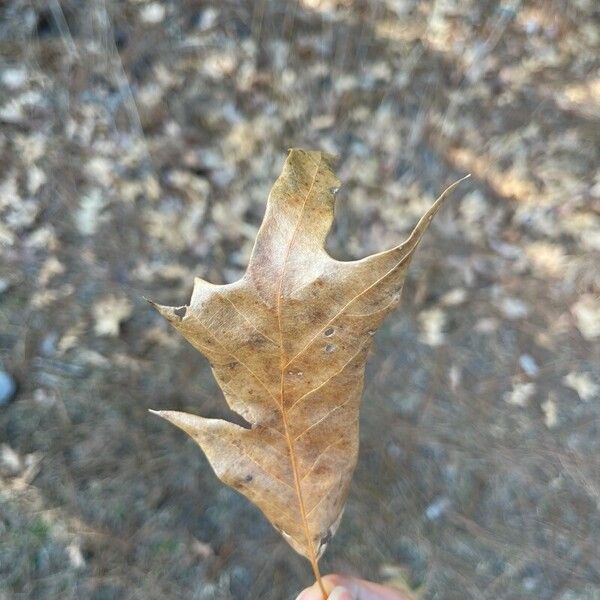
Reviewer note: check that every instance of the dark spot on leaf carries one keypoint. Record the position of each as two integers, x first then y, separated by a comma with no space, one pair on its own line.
256,339
329,348
248,478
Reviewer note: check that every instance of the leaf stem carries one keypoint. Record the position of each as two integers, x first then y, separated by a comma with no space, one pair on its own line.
311,549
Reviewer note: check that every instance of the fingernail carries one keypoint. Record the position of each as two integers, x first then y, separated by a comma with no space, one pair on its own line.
340,593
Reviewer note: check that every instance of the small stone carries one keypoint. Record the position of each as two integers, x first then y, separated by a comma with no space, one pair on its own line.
583,384
90,213
48,345
432,323
438,508
10,459
528,364
14,78
12,112
454,297
202,550
36,178
455,377
8,388
208,19
153,13
520,394
44,397
5,284
513,308
109,313
487,325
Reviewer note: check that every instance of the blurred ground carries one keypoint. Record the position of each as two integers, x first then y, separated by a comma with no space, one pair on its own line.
138,143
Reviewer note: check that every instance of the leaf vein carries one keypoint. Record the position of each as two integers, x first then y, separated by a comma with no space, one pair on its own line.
341,311
327,415
269,474
308,472
264,385
329,378
239,312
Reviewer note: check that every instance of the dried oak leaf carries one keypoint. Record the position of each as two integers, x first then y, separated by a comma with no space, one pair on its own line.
287,344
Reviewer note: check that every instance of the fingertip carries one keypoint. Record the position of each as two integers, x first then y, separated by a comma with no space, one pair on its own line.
330,582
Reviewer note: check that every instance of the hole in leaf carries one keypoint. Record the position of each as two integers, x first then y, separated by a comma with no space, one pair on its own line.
329,348
329,332
180,312
326,538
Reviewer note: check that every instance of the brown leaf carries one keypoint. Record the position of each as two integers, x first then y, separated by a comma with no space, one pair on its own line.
288,344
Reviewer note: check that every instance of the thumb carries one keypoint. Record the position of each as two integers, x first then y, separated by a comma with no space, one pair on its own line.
340,593
314,593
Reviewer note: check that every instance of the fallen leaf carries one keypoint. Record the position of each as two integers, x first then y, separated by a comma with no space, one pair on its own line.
10,459
287,344
90,213
547,259
109,313
587,316
51,267
432,323
454,297
583,384
70,338
550,413
75,556
202,550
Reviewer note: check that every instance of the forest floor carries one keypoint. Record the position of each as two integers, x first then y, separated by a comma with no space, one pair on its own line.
138,144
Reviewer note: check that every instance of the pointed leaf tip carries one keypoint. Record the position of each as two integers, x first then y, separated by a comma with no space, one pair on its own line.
170,313
151,302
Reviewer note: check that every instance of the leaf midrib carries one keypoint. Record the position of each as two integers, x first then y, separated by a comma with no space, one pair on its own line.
290,442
